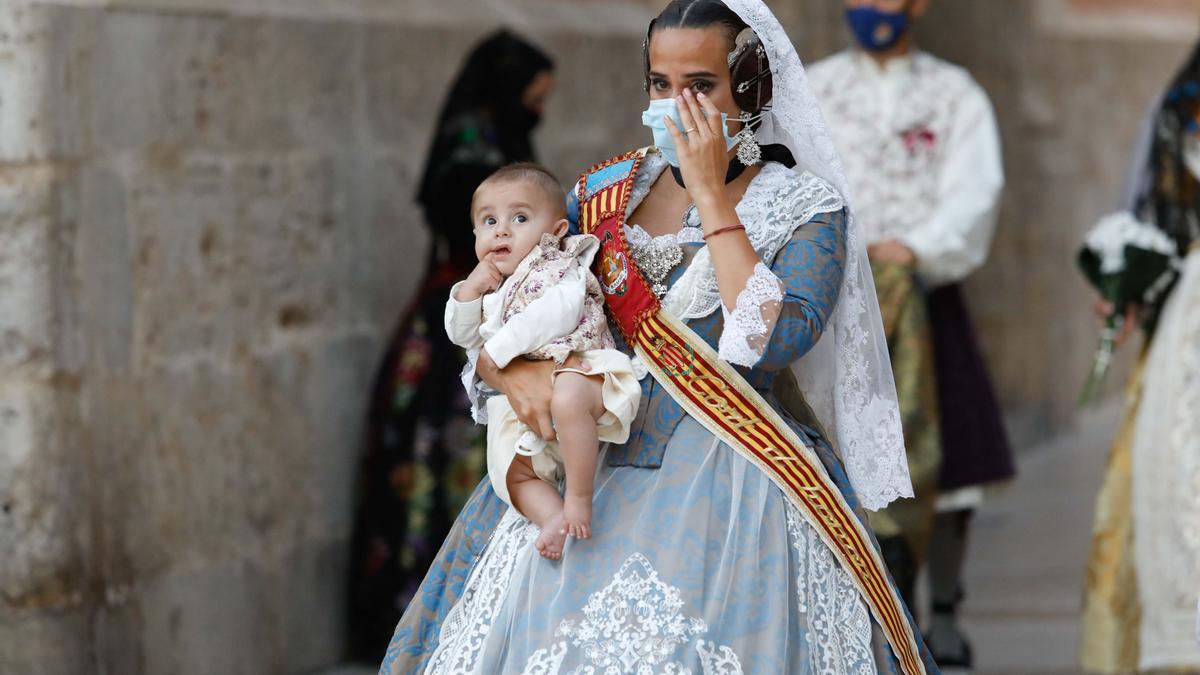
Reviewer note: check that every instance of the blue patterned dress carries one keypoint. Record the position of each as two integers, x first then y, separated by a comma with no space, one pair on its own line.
698,563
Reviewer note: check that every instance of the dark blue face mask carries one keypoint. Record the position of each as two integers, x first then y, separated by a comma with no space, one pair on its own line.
876,30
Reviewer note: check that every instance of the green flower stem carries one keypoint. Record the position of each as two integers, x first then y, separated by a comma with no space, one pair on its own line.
1103,358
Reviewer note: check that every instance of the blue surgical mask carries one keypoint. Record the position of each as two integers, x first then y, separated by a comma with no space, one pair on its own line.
655,118
876,30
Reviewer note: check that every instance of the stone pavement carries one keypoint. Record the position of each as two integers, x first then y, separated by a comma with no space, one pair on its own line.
1028,547
1027,553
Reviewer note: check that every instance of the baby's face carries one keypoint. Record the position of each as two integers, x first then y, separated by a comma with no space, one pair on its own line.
510,218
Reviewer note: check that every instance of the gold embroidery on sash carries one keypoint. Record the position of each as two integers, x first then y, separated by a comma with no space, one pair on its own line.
715,395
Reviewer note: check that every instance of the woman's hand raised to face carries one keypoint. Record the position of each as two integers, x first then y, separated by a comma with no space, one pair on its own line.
703,157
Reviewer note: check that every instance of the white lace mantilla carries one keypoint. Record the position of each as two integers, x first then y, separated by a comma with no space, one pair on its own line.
847,376
635,624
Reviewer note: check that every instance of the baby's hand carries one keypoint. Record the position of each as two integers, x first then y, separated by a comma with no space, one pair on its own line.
485,278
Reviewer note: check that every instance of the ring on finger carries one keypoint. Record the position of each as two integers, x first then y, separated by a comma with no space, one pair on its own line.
688,131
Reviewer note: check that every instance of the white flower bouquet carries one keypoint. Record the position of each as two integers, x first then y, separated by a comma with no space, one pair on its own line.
1129,262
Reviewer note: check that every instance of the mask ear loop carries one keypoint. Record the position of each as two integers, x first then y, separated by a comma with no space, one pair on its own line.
752,120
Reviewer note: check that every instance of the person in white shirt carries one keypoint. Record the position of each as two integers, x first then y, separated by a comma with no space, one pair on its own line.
922,154
532,296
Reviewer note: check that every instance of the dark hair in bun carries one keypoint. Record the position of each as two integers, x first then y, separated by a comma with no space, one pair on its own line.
749,70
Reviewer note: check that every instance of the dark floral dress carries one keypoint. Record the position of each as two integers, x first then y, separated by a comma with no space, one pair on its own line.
423,454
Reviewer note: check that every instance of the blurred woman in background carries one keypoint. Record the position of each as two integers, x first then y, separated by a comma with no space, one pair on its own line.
424,455
1143,574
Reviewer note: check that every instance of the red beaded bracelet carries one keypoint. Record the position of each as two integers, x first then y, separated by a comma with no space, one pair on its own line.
723,230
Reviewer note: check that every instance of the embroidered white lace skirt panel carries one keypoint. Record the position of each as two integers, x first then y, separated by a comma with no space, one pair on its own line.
700,567
1166,483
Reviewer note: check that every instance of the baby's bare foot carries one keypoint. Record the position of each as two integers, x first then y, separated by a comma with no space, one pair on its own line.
554,535
577,513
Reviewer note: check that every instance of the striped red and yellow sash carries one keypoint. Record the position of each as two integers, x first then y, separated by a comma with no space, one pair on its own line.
716,396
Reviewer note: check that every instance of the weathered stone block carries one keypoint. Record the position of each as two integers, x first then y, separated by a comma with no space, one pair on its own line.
183,220
43,531
383,236
102,288
146,80
312,587
27,258
334,373
216,618
402,102
45,643
26,128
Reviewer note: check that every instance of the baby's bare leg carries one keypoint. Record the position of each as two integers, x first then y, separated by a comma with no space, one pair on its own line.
576,404
538,501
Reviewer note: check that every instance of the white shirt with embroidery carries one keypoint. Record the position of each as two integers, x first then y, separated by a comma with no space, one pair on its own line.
921,149
480,322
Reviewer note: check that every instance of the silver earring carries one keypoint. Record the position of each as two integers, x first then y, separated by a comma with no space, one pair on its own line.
749,151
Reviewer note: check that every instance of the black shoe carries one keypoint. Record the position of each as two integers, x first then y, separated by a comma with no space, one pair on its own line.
961,659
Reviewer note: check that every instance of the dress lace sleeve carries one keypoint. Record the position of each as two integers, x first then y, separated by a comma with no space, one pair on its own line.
783,310
749,326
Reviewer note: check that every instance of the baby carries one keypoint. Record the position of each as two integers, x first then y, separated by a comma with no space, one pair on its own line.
532,295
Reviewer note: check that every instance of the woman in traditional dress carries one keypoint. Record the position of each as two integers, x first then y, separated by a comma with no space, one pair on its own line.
728,534
424,455
1143,575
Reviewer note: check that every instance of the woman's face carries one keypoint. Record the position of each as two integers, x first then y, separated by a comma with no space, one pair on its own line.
535,94
696,59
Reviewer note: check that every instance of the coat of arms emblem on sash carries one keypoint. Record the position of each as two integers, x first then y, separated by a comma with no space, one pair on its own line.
614,269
